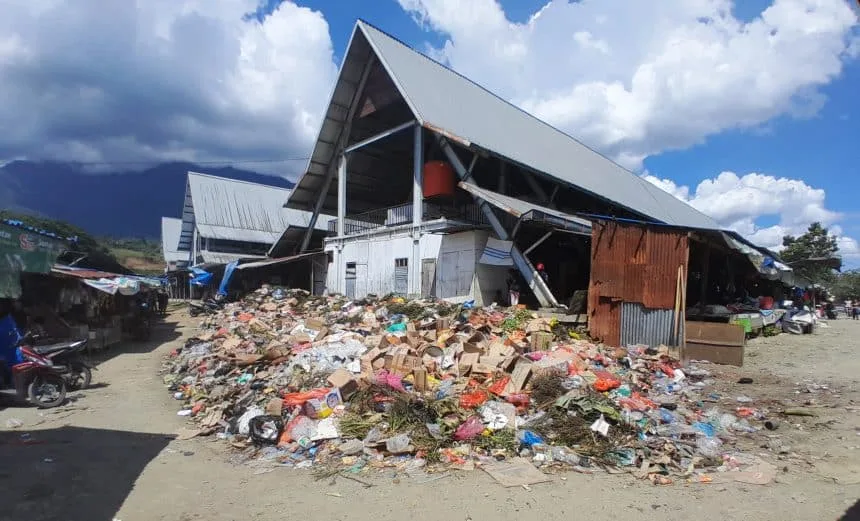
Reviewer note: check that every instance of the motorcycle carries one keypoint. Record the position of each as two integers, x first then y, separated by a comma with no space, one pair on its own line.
34,377
67,355
139,324
208,306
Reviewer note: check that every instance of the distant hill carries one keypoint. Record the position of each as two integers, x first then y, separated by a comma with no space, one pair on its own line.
118,204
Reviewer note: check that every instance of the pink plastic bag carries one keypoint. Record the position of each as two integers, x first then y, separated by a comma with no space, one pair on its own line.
387,379
469,429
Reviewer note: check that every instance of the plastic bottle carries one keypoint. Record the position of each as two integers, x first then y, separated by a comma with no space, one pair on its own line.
565,455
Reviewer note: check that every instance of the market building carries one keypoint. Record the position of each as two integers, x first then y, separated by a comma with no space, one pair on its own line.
440,188
225,220
174,259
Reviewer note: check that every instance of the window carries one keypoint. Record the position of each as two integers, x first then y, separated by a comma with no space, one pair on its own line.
401,276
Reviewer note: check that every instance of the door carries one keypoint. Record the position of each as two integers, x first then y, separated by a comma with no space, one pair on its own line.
428,276
401,276
447,287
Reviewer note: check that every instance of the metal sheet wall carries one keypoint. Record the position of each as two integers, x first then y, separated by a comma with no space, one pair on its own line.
641,325
634,264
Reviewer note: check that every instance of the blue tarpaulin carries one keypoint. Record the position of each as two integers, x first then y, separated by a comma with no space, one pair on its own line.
225,280
201,277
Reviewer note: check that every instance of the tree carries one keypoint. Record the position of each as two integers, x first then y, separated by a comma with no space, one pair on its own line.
847,286
812,254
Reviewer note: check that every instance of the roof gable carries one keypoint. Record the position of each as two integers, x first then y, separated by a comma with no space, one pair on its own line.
451,104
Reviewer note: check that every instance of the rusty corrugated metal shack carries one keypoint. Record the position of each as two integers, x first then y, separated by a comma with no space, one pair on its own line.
636,274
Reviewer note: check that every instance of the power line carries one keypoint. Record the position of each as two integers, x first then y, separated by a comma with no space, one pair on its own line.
225,162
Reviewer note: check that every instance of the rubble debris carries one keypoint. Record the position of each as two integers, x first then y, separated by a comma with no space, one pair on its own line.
293,380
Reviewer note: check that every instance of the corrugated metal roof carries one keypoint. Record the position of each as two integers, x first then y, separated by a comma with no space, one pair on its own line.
228,209
280,260
453,105
171,228
518,207
215,257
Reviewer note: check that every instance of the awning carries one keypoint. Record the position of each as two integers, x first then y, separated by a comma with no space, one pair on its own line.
528,211
281,260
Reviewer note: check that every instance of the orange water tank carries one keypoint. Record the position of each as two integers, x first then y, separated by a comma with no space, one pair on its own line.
438,179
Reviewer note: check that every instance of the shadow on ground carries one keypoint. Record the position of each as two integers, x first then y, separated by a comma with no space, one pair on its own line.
163,330
71,473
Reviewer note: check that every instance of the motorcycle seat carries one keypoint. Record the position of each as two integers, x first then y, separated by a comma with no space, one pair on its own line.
60,346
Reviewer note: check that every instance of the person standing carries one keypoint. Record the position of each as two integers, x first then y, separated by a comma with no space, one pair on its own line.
542,273
513,288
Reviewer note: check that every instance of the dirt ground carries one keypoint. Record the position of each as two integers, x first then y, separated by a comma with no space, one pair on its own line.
110,454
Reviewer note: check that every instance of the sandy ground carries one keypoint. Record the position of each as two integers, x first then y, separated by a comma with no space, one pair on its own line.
111,454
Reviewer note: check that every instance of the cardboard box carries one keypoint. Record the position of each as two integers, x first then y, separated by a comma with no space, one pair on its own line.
344,381
369,358
540,340
520,376
467,360
419,374
323,407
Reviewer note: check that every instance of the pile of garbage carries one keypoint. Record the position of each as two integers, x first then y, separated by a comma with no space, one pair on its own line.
291,379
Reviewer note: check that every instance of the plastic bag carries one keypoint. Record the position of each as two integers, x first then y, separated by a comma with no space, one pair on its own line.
301,427
266,429
473,399
519,400
398,444
298,399
529,438
469,429
244,421
709,447
498,387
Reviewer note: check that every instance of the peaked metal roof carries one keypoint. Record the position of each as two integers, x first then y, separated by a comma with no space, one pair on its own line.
222,208
171,228
451,104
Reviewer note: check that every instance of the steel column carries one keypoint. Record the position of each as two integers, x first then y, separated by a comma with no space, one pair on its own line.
417,210
537,284
341,140
341,195
538,242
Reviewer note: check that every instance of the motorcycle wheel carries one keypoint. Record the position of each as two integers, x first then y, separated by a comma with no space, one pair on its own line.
47,391
81,377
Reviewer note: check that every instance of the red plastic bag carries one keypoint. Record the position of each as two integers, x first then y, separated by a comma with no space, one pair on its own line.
603,385
637,402
606,381
297,399
469,429
498,387
520,400
473,399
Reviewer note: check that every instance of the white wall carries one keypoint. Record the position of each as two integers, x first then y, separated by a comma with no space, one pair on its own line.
458,277
374,258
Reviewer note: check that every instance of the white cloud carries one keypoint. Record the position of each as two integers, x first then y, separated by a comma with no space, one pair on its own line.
635,78
161,79
740,202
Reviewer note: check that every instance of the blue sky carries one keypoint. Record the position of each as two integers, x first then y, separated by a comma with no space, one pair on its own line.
817,149
747,114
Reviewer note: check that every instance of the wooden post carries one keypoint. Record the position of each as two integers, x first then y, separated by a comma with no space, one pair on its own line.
703,287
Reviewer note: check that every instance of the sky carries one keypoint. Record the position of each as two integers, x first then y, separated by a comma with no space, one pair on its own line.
747,110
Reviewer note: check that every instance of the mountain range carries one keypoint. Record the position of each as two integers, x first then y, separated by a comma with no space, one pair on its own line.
115,204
